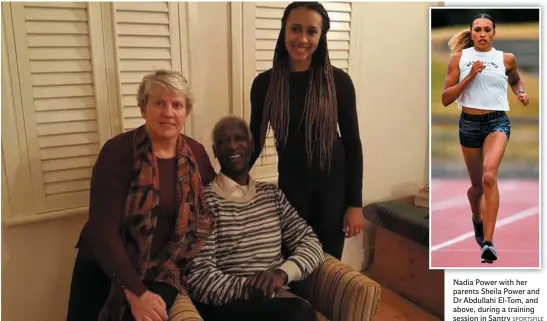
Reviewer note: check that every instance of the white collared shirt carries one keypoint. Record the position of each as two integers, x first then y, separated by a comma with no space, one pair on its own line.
230,187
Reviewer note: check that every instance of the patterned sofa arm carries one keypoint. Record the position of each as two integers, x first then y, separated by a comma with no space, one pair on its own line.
341,293
184,310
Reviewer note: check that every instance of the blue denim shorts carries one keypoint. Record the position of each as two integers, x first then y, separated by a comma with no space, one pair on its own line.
475,128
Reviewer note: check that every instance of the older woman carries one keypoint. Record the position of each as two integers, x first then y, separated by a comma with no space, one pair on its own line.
147,219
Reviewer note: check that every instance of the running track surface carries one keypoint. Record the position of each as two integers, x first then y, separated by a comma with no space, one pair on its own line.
516,237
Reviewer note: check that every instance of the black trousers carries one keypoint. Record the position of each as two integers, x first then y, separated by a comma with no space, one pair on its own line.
280,309
90,287
322,203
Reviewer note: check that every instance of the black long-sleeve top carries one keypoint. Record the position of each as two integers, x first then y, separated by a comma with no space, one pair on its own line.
347,156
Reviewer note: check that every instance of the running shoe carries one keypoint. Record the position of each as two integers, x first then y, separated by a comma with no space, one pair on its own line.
489,254
479,235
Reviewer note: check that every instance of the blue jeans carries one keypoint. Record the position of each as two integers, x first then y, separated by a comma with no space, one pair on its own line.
475,128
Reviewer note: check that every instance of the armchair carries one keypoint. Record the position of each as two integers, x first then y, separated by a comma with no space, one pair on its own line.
335,290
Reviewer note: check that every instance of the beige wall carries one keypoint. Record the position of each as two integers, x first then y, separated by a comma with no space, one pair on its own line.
393,105
36,275
210,68
392,94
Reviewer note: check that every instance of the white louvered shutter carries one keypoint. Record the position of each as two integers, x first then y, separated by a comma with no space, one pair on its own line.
61,88
147,39
260,42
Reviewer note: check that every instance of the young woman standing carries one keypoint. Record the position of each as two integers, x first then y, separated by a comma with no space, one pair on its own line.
477,80
310,105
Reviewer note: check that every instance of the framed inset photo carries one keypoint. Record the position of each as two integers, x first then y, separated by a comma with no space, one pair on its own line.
485,138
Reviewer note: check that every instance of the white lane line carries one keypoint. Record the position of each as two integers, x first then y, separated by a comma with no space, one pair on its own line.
504,250
508,220
456,201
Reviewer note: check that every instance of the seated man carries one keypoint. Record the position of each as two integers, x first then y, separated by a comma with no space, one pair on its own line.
241,271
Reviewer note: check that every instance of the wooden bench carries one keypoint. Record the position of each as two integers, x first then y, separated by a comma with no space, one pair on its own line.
401,253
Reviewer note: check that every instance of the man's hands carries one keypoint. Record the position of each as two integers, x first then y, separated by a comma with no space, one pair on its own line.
148,307
264,284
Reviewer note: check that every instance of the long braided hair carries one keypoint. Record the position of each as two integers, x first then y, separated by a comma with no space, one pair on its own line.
320,112
462,40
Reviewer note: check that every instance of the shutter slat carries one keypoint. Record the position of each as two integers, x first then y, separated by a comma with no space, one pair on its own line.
143,42
274,24
339,17
64,103
142,6
132,112
47,129
67,175
129,89
337,45
63,91
59,54
340,63
337,6
340,26
51,41
133,29
132,123
68,163
279,5
67,187
148,53
264,34
69,151
77,28
80,78
269,13
144,65
132,77
124,16
338,35
53,66
263,65
45,117
129,100
338,54
55,14
81,5
68,139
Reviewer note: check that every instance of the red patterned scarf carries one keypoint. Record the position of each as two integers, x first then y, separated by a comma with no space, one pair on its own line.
192,227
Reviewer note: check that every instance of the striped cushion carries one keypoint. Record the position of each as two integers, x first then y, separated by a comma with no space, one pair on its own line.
400,218
184,310
340,292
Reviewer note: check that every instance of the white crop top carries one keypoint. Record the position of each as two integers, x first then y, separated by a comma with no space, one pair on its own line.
488,90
